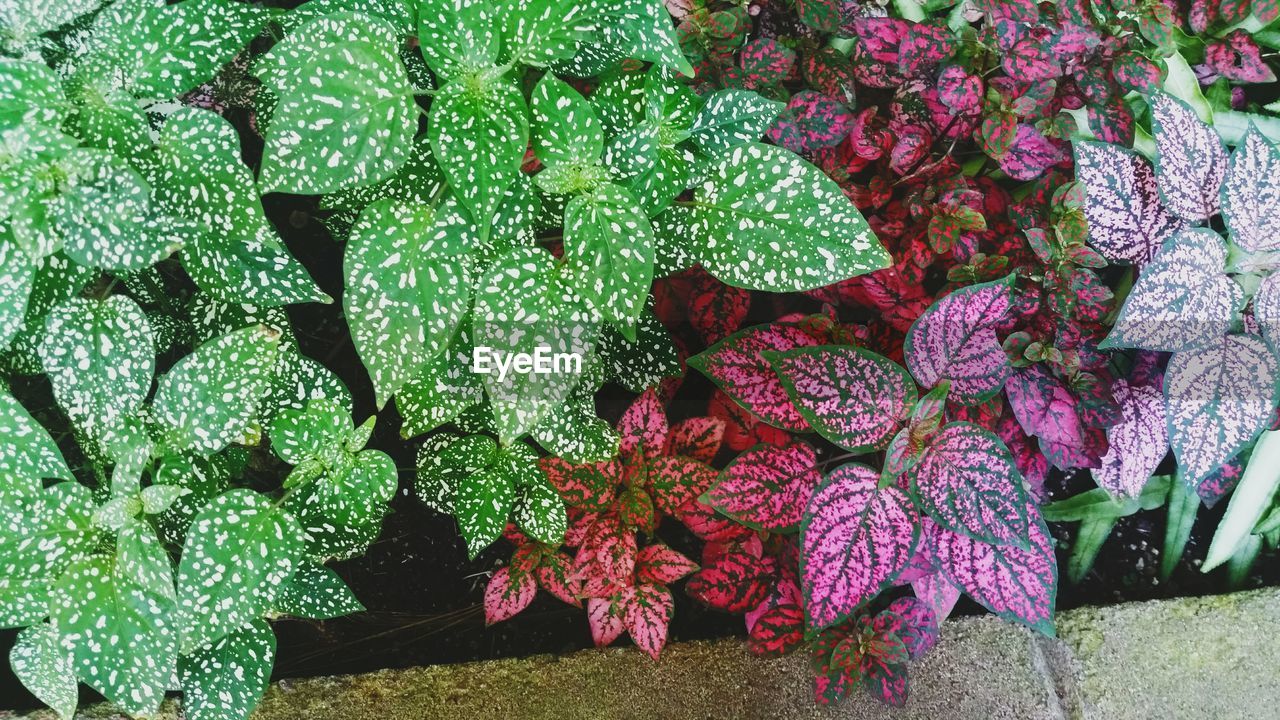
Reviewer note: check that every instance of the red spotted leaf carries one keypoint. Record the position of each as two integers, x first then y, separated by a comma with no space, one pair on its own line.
855,539
1017,11
886,682
767,486
1016,583
607,554
1137,444
960,90
924,48
765,62
777,631
1251,194
966,481
555,575
1182,299
918,627
1030,60
647,611
1190,159
644,423
1156,23
1239,59
677,481
586,487
605,621
810,122
1030,154
1047,409
716,310
710,526
1111,121
1135,72
1266,10
660,564
997,133
875,58
1231,12
697,437
507,594
821,15
831,73
853,397
1218,398
1127,220
736,366
735,582
831,689
955,340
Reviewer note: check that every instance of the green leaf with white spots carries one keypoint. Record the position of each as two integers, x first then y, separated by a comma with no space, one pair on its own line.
731,118
119,127
185,44
298,435
540,32
419,181
609,236
642,362
22,21
56,279
346,114
41,534
767,220
527,304
238,554
342,511
226,679
298,380
483,500
157,499
444,461
408,286
316,592
539,511
30,93
640,29
28,454
100,360
117,616
236,255
203,479
458,36
441,390
671,173
17,276
402,14
576,434
209,398
479,130
632,153
44,668
565,128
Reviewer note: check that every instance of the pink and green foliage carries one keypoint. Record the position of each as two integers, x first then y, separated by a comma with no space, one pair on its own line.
1047,410
1238,58
1014,582
767,486
966,481
872,652
857,537
1029,154
1137,444
1127,220
955,340
810,122
852,397
1190,159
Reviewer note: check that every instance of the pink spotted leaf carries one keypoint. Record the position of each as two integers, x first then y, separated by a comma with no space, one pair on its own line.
1190,159
1046,409
1218,398
1238,58
1132,71
507,594
853,397
767,486
555,575
643,424
1251,194
735,582
675,481
1111,121
1266,309
917,625
715,309
810,122
1137,444
697,437
605,621
660,564
1029,155
855,539
960,90
966,481
1017,583
937,592
647,615
1127,220
1182,299
955,340
736,366
777,631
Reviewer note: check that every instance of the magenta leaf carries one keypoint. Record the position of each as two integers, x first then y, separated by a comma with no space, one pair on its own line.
1134,72
736,367
767,486
660,564
765,62
1137,444
1266,309
919,625
647,615
735,582
605,621
1016,583
923,48
1127,220
644,423
853,397
966,481
1046,409
696,437
1251,194
936,591
886,682
1218,399
1030,154
810,122
960,90
1190,159
1238,58
507,594
1111,121
955,340
1029,60
856,538
1183,299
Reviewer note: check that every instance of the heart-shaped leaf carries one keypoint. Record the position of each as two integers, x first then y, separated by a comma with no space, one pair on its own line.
1137,444
29,454
226,679
649,608
510,590
955,340
767,487
967,481
45,668
738,367
1190,159
1127,220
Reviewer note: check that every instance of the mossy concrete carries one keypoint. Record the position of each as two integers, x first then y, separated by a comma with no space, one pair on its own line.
1192,659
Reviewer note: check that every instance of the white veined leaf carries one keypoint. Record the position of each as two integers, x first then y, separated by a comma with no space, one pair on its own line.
408,286
767,220
1191,161
609,236
316,592
210,397
527,305
238,554
44,668
226,679
235,255
100,360
346,114
41,534
116,615
479,130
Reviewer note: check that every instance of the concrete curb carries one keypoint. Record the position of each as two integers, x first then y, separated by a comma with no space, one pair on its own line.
1192,659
